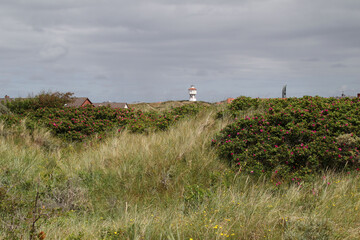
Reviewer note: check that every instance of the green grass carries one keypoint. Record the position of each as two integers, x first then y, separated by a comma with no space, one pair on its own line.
164,185
165,106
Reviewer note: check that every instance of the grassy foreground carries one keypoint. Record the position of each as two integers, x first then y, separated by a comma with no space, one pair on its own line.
164,185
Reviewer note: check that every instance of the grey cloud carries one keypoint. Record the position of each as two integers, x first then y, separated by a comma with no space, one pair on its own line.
154,48
311,59
53,52
338,65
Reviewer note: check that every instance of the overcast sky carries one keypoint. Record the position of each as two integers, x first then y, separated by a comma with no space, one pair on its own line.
153,50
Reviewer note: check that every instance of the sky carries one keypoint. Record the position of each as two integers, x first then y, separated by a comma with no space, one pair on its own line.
154,50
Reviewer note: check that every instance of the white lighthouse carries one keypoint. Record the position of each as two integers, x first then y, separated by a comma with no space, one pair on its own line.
192,93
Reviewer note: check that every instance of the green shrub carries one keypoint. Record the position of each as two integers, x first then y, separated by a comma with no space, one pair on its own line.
21,105
186,110
42,100
77,124
243,103
52,100
10,119
295,138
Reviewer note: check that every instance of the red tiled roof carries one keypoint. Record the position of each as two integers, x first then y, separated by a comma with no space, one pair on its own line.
229,100
78,102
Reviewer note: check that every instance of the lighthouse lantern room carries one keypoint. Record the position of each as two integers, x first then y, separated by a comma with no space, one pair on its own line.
192,93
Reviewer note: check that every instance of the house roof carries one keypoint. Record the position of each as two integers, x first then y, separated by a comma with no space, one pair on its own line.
111,104
229,100
78,102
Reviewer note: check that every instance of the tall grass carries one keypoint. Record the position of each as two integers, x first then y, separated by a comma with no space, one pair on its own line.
165,106
164,185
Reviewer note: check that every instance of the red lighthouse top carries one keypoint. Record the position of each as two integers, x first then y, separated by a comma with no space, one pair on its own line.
192,87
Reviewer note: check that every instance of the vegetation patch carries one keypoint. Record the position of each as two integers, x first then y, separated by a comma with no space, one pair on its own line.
166,183
293,137
77,124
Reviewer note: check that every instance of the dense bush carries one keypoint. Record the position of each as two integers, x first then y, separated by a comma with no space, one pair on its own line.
79,123
52,100
186,110
244,103
293,137
21,105
10,119
42,100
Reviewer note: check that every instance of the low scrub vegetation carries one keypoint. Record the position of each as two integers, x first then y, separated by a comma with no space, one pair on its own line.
293,138
78,124
169,183
42,100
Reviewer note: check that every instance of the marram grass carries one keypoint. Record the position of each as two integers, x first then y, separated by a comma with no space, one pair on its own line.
164,185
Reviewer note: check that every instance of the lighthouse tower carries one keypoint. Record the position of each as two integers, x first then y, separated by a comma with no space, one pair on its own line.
192,93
